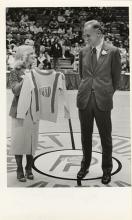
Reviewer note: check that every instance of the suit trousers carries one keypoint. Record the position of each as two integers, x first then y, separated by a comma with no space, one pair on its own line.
103,121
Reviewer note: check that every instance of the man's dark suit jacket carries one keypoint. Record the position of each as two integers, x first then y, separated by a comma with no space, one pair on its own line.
56,51
104,79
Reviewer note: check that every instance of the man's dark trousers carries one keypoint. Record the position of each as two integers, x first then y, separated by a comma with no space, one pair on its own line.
103,121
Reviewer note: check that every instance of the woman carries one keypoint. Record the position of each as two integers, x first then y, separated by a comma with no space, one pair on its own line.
24,129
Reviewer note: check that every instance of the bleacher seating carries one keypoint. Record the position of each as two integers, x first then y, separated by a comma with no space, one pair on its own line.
114,19
65,64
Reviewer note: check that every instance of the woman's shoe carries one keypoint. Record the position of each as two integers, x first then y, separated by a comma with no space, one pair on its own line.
29,175
21,177
20,173
28,169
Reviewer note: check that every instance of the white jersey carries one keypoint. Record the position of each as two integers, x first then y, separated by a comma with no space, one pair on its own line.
50,86
29,97
40,91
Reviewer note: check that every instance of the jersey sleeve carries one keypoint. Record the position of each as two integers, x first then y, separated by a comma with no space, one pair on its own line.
24,103
62,87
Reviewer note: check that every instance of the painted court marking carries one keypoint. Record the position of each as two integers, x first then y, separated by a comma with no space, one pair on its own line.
56,164
48,163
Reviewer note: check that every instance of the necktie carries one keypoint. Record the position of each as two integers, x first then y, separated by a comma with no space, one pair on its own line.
94,58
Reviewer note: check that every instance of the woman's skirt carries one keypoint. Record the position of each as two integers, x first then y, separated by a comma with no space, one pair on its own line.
24,136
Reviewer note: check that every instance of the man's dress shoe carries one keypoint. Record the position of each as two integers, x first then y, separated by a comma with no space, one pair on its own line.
106,178
82,173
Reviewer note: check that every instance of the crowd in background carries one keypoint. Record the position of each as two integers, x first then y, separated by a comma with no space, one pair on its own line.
58,32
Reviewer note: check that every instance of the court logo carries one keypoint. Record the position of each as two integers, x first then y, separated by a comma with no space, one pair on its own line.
64,164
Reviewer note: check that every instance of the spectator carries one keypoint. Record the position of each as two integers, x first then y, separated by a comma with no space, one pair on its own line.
37,43
67,12
9,21
29,40
63,22
44,61
32,27
37,29
9,41
61,18
11,58
53,23
61,39
40,58
61,30
75,52
24,29
123,54
107,39
68,54
18,40
42,48
24,19
56,51
47,61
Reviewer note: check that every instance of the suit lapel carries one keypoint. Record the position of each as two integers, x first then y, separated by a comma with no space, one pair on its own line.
89,59
102,57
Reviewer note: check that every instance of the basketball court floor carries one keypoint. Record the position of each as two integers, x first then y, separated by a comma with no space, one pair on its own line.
56,164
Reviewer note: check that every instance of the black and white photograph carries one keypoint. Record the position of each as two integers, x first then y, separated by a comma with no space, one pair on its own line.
67,87
68,83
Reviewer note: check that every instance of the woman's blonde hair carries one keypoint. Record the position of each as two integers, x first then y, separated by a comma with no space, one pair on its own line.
21,56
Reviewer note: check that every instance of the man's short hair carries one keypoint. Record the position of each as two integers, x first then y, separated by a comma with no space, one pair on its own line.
95,25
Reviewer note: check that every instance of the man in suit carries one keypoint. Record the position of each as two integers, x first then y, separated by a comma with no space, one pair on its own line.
56,51
100,69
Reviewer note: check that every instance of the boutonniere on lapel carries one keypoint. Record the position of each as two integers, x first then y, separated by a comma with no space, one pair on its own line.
104,52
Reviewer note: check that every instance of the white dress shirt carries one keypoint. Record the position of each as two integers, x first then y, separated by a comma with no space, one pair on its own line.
99,47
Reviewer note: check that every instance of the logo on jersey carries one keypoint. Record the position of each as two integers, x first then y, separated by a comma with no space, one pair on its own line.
45,91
